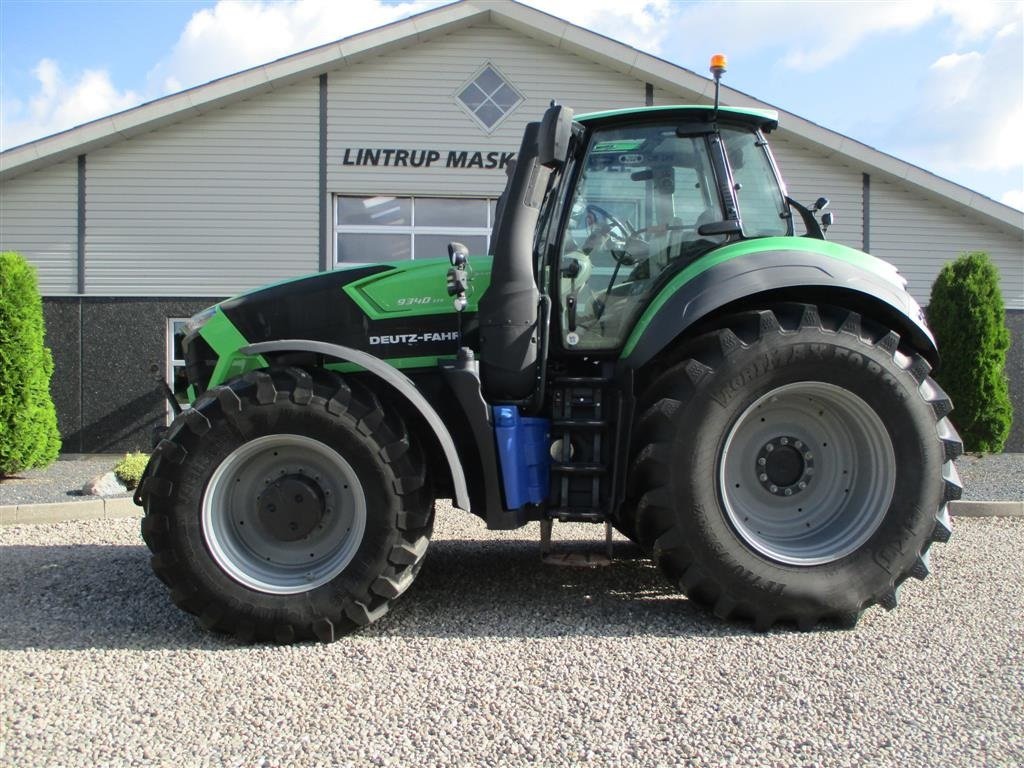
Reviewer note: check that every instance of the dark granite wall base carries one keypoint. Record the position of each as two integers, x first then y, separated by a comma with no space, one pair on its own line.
104,350
107,354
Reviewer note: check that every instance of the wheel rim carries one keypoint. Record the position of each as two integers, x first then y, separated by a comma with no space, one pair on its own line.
807,473
283,514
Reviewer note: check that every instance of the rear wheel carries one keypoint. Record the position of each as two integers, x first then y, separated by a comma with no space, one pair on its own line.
796,466
286,505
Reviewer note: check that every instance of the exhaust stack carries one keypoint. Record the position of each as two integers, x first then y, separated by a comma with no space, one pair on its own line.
509,309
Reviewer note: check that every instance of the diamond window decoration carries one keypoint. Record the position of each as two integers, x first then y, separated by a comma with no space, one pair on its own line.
489,97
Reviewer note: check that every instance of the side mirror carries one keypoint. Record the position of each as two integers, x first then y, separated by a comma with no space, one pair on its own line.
458,254
554,135
826,221
457,280
820,204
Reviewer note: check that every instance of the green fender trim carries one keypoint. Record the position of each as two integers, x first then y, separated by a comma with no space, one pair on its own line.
763,245
416,289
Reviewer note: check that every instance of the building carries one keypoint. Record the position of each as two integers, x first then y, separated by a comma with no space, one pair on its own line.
138,220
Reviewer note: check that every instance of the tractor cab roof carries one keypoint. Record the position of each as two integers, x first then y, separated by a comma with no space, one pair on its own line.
765,119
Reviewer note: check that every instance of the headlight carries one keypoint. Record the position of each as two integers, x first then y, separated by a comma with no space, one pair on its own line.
197,320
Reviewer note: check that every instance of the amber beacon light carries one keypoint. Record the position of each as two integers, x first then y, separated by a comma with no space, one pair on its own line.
718,67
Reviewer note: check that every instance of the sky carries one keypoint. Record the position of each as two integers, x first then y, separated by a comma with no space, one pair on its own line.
938,83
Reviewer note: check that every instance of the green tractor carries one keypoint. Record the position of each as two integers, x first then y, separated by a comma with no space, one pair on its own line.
648,345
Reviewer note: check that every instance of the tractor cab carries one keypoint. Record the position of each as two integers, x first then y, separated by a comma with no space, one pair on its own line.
648,194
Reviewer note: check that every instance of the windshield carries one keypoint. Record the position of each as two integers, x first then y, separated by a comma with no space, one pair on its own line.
642,195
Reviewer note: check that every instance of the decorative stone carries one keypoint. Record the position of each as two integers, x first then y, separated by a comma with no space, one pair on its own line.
104,485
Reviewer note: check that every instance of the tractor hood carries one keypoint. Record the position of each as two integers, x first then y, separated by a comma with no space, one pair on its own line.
398,311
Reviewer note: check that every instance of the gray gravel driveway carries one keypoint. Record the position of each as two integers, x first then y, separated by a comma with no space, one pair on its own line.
492,658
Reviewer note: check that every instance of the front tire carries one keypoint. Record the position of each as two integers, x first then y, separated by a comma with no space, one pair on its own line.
287,505
795,467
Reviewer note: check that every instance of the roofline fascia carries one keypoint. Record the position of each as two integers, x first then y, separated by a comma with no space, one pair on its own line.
249,82
556,32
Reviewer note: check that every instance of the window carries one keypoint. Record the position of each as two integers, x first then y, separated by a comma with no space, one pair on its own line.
762,207
374,229
175,363
488,97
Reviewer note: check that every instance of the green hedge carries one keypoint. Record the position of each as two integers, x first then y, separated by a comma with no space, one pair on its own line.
28,420
967,316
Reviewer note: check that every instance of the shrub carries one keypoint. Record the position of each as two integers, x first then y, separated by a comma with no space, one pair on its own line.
129,469
966,314
28,420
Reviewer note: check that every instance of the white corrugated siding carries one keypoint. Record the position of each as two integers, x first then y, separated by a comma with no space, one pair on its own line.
810,175
406,100
215,204
919,234
663,98
39,219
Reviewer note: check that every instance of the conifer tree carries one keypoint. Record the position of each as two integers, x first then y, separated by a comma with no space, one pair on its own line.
28,420
967,317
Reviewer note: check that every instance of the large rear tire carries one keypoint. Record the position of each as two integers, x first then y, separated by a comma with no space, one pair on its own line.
795,467
287,505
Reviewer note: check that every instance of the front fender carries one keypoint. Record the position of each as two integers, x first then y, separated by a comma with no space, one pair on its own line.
793,267
391,376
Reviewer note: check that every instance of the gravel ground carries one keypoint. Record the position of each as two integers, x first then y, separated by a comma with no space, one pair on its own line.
993,477
61,481
493,658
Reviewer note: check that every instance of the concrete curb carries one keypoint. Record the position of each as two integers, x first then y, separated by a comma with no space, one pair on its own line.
986,508
63,511
123,506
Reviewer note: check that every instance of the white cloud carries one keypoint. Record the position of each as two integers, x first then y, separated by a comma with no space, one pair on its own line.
812,36
232,35
972,20
640,23
975,107
1014,198
59,104
217,41
954,77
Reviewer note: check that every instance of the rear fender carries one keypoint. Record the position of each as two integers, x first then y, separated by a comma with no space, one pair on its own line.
802,270
390,376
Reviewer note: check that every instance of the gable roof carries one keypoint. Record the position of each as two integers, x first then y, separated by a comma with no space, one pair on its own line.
425,26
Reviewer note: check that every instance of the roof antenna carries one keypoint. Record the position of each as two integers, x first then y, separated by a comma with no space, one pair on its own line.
718,67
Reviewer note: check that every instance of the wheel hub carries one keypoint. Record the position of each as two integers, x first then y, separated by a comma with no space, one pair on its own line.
291,507
807,473
785,466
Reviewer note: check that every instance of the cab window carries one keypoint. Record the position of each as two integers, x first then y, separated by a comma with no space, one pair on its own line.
758,193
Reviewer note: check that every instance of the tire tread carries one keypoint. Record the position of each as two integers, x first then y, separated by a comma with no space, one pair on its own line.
648,507
344,399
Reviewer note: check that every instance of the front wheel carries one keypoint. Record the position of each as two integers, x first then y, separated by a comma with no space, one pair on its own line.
795,467
287,505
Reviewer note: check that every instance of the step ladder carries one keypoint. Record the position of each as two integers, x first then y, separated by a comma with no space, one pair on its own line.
580,435
581,414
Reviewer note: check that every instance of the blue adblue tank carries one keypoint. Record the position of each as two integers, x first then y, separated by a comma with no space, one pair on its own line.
524,453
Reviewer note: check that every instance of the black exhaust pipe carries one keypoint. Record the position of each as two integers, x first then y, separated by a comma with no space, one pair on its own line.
509,309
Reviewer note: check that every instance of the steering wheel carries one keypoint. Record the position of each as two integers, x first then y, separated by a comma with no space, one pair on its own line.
602,233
